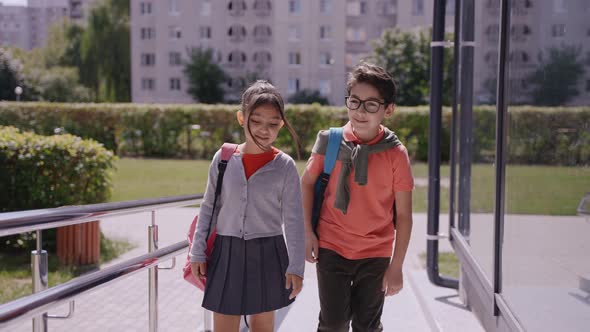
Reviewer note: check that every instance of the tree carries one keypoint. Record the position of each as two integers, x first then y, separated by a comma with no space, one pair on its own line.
555,81
406,55
105,50
10,76
205,77
307,96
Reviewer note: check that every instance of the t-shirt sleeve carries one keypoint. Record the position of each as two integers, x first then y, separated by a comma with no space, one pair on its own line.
315,164
402,171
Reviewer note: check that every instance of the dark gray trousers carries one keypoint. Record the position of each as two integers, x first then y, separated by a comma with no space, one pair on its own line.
350,290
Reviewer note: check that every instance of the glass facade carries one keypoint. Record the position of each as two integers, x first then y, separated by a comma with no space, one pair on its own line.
523,162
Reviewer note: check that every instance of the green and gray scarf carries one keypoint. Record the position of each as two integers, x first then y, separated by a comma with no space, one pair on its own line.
355,156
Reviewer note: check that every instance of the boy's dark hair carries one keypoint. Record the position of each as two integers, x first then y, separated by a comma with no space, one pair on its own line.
261,93
376,76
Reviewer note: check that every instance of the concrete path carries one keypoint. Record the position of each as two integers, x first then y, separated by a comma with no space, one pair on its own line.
122,306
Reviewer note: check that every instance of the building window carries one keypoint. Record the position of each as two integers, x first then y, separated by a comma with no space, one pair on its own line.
262,7
491,58
326,7
237,33
145,8
558,30
175,32
353,59
559,6
293,86
206,8
294,58
148,84
175,59
418,7
492,32
326,59
518,57
294,33
236,7
356,34
325,87
262,58
519,32
295,6
353,8
205,32
236,58
174,7
262,33
175,84
325,32
148,59
364,7
147,33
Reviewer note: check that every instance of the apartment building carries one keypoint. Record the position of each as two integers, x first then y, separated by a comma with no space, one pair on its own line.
536,26
296,44
27,27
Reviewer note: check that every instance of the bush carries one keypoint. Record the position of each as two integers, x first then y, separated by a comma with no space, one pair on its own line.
50,171
197,131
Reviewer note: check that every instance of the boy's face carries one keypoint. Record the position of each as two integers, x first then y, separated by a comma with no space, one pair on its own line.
364,123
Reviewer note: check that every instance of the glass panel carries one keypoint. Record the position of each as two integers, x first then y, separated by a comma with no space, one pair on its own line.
477,139
546,267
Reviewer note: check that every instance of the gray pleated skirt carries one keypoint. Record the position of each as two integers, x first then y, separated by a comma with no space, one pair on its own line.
246,277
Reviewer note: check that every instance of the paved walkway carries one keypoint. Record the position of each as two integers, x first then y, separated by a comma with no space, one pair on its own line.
123,305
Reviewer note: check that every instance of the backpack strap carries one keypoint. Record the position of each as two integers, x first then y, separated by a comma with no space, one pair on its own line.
332,149
330,157
227,150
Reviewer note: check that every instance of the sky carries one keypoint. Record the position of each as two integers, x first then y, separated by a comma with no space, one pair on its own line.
14,2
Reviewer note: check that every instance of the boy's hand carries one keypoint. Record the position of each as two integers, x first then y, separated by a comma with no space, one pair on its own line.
311,247
393,280
295,282
199,270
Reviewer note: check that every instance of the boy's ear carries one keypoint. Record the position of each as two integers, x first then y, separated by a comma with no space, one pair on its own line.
240,117
389,110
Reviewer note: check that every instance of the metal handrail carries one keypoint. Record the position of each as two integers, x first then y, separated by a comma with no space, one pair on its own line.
582,207
32,305
33,220
38,220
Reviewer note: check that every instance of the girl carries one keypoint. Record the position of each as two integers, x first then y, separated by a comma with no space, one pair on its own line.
251,271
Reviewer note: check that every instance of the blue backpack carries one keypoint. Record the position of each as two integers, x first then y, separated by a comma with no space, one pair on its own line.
322,182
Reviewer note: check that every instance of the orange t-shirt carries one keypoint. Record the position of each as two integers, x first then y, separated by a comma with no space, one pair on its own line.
253,161
366,230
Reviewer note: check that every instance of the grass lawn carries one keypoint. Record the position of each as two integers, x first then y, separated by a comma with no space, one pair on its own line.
448,264
15,270
529,189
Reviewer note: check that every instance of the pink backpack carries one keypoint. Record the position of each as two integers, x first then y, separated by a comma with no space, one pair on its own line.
226,152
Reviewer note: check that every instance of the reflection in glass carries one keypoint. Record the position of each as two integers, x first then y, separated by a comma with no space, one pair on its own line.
545,262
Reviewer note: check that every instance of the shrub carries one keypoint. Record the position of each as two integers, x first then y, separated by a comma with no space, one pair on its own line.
50,171
537,135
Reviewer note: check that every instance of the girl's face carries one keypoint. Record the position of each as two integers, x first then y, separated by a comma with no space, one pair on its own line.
265,122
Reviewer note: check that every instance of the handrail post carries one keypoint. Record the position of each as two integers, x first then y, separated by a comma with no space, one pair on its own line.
39,273
153,276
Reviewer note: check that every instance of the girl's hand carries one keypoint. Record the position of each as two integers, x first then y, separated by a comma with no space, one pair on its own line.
295,282
393,280
311,247
199,270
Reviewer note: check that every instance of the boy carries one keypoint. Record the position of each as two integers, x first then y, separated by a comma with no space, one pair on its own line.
353,248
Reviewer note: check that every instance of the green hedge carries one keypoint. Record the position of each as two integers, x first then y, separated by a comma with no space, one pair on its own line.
50,171
558,136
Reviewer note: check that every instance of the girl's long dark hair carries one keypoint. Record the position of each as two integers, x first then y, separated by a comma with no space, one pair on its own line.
263,93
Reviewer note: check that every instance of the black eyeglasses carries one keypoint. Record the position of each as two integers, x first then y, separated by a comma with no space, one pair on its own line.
371,106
